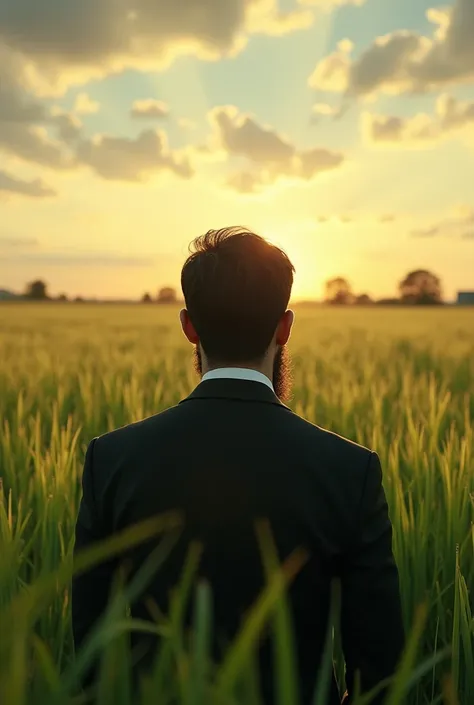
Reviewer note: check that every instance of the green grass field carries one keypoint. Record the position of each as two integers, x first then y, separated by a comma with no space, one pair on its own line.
400,381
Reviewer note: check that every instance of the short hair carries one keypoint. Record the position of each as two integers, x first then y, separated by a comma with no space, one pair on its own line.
236,286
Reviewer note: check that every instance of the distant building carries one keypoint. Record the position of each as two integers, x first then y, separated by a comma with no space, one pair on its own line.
466,298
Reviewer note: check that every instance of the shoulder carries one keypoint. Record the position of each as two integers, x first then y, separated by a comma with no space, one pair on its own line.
133,435
330,444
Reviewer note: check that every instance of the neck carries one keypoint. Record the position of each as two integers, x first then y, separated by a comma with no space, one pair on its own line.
265,367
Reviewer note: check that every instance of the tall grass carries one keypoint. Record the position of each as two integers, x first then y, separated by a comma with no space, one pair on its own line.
399,381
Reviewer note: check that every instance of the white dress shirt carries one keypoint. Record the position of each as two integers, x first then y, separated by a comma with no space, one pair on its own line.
238,373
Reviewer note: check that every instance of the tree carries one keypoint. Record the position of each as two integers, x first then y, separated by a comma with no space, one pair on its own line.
167,295
37,291
62,297
363,300
421,287
339,291
388,302
146,298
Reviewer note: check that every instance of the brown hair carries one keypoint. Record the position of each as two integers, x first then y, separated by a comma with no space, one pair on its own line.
237,286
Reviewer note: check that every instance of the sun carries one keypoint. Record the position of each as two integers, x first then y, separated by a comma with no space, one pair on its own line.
313,254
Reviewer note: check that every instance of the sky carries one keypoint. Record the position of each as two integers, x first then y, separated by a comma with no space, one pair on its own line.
341,130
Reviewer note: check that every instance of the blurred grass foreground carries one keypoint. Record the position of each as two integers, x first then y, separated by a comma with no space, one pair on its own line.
400,381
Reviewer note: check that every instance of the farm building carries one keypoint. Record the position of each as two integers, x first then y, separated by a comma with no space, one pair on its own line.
466,298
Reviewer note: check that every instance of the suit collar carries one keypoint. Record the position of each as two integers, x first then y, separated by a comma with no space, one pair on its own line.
241,390
242,373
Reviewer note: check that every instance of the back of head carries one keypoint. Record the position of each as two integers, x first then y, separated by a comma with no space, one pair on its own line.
237,287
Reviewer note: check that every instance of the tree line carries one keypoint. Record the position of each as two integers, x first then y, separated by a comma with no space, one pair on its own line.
419,287
38,291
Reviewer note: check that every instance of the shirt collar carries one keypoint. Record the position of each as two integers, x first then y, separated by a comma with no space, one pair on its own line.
238,373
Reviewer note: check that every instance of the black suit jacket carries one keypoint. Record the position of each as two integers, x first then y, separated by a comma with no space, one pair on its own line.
226,456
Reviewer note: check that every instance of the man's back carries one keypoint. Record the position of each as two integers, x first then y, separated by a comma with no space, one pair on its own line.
225,457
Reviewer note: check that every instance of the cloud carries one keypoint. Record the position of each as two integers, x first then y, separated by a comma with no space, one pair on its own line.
17,242
323,110
48,46
271,155
31,143
331,4
264,17
351,218
332,72
84,105
460,225
127,159
16,105
11,185
68,125
23,120
454,114
311,162
24,134
244,182
432,231
25,127
390,129
82,259
451,116
406,61
241,135
154,109
68,42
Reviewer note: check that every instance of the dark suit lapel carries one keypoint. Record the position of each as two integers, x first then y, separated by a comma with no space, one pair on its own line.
241,390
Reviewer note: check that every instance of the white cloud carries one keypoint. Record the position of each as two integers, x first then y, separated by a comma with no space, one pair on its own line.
10,185
81,259
242,135
271,155
68,125
23,119
324,109
460,225
311,162
126,159
149,109
405,61
330,4
69,42
391,129
332,72
451,117
455,114
25,126
245,182
351,218
84,105
31,143
17,242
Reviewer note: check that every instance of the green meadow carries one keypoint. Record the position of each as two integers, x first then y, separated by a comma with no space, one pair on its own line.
398,380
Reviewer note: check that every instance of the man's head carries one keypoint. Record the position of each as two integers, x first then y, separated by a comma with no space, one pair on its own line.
237,287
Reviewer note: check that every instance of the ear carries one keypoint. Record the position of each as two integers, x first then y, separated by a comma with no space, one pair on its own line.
284,328
188,328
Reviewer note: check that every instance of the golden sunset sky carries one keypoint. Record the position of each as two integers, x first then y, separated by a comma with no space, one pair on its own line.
342,130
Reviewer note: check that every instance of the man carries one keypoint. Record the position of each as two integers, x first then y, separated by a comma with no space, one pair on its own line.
233,453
